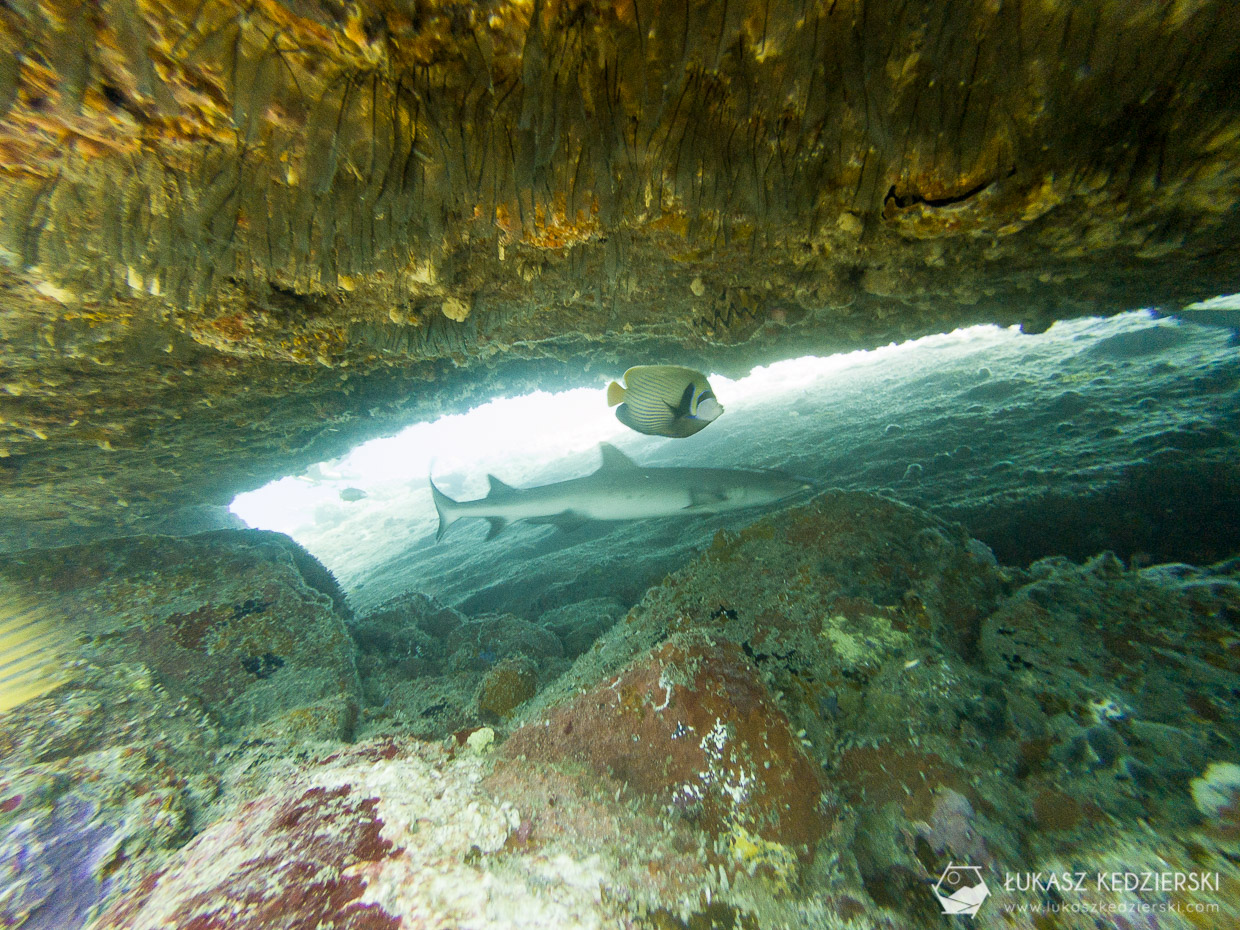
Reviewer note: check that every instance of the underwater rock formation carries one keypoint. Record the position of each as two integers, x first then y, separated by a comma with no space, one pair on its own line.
835,703
427,669
59,865
396,833
237,238
97,781
180,649
958,710
691,726
802,727
243,622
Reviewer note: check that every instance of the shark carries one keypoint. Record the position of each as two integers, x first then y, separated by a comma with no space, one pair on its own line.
620,490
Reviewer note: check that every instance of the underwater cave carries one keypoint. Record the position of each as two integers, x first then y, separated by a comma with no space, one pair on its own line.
334,592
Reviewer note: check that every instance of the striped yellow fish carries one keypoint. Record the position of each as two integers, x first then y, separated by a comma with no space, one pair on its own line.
664,400
32,651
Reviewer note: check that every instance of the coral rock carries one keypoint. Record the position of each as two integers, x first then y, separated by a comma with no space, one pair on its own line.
691,726
243,621
397,833
511,683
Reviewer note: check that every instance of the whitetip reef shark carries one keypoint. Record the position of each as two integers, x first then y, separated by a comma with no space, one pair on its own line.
620,490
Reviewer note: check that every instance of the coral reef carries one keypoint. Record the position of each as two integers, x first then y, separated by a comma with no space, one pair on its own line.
427,669
389,834
813,742
242,621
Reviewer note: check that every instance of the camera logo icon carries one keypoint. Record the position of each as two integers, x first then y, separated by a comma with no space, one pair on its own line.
961,889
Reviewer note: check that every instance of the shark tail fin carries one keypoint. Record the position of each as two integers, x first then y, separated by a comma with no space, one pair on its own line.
615,393
446,507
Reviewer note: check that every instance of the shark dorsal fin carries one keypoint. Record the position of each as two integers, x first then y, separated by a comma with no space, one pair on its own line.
498,488
614,459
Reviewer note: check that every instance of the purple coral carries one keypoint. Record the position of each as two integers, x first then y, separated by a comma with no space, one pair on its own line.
51,866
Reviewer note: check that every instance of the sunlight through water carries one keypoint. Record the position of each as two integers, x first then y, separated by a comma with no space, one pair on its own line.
376,497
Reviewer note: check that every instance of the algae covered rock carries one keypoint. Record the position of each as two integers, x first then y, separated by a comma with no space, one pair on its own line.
1130,678
428,669
803,727
825,600
398,833
509,684
773,688
244,623
947,709
177,647
579,625
690,726
97,779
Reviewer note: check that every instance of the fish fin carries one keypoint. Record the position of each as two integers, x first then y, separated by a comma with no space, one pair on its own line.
615,393
566,520
498,488
497,526
644,377
625,416
443,507
32,653
613,458
682,410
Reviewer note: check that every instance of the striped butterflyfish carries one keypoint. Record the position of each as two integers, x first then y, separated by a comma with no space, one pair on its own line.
664,400
33,650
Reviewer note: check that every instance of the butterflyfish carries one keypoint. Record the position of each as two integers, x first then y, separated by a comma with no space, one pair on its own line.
33,650
664,400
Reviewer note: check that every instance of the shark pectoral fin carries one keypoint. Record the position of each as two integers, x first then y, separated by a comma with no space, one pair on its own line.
567,520
497,526
700,500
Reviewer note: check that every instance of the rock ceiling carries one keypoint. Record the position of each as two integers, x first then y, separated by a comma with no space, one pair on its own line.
238,237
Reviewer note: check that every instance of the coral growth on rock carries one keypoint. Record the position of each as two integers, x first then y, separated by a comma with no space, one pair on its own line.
691,726
244,622
389,834
810,742
178,648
